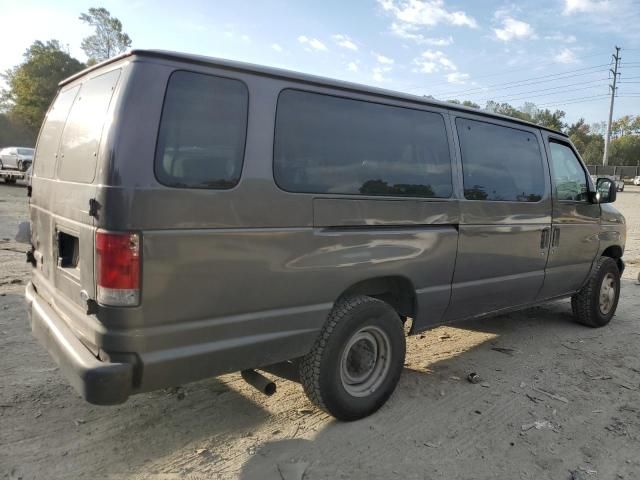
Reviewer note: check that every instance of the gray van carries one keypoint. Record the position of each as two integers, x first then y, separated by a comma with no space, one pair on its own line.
194,216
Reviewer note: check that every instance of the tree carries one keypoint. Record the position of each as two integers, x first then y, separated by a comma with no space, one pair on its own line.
549,119
108,40
15,132
589,144
625,150
466,103
33,84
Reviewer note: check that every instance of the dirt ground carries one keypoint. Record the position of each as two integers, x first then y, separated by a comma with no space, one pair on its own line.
556,398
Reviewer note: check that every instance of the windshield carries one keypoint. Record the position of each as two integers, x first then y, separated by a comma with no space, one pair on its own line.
25,151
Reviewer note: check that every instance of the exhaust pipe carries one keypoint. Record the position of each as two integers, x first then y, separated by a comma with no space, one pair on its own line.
258,381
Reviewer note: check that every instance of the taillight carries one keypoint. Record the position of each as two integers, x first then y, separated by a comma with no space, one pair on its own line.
118,268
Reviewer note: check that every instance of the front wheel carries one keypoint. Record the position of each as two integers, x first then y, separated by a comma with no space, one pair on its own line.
356,362
596,303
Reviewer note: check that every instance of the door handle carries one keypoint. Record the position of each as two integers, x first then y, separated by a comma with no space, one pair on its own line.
555,238
544,238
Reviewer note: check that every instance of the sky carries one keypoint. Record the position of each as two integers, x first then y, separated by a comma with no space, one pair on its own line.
555,53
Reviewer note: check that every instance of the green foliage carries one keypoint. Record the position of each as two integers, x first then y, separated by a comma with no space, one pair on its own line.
108,40
466,103
33,83
590,145
625,150
530,113
14,132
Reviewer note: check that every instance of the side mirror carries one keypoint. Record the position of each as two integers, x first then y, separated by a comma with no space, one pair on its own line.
606,191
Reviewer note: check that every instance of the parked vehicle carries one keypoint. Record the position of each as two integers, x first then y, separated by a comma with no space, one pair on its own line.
16,158
193,217
636,180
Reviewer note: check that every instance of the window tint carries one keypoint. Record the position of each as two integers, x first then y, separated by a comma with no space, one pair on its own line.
326,144
500,163
202,132
83,131
569,177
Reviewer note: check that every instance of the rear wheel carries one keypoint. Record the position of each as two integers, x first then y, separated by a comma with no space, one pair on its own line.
596,303
357,360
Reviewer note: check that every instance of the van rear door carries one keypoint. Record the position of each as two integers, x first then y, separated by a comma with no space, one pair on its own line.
69,150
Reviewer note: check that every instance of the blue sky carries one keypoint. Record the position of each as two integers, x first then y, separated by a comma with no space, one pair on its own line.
555,53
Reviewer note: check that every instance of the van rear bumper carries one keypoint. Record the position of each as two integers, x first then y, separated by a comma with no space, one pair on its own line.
100,383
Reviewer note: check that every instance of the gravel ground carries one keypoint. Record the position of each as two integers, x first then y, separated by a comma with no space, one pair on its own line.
556,398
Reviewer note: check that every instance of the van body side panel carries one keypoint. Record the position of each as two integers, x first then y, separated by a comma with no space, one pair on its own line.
500,261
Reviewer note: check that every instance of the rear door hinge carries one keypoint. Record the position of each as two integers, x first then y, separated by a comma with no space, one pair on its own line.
94,207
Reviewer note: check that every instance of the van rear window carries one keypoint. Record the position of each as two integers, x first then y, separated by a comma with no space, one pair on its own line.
82,133
202,132
49,141
326,144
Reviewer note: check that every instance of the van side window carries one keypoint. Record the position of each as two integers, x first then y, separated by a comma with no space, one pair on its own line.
327,144
568,175
500,163
202,132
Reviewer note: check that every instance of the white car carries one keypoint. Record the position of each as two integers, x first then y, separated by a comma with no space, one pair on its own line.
16,158
636,180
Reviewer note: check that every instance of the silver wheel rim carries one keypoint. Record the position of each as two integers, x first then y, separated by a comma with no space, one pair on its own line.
365,361
607,293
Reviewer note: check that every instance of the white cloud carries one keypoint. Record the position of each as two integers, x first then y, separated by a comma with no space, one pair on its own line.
345,42
378,73
384,60
410,32
585,6
559,37
426,12
312,43
276,47
245,38
353,67
457,77
434,61
514,29
566,55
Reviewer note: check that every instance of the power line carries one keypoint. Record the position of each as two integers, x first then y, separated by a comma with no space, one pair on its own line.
529,81
570,101
550,89
509,70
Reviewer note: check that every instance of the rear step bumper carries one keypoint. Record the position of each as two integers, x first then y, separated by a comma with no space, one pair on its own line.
100,383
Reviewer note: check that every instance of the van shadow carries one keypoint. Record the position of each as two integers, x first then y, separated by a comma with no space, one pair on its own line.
439,425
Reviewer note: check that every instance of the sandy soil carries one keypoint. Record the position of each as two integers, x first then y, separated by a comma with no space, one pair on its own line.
556,398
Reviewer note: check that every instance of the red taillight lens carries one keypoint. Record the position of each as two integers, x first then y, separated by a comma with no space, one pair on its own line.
118,268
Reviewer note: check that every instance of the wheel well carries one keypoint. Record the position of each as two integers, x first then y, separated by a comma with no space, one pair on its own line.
397,291
615,252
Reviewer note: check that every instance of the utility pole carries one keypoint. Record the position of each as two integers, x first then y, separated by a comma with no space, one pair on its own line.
607,137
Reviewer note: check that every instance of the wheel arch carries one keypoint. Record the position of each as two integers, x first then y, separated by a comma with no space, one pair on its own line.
615,252
396,290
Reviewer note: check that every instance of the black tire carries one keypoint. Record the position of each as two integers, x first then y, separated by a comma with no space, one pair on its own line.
322,369
19,165
586,304
9,180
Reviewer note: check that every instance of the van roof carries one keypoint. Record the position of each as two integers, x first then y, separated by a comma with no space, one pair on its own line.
303,77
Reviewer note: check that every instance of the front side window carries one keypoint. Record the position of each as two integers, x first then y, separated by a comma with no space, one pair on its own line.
326,144
568,175
202,132
500,163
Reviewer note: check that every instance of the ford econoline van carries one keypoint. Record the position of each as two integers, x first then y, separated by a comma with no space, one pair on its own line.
194,216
